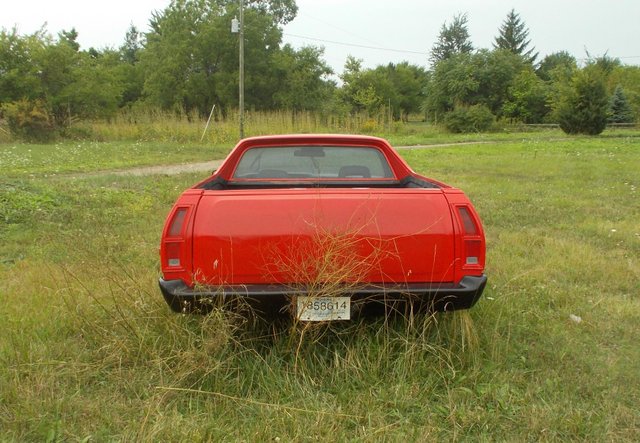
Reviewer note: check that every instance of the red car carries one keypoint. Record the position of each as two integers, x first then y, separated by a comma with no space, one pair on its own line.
321,224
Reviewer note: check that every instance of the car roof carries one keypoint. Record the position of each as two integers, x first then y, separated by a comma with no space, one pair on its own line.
338,139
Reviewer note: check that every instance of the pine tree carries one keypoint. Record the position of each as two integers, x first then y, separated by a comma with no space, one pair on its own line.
133,44
453,39
513,37
619,109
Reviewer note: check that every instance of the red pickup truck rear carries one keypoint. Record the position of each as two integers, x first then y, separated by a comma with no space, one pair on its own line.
262,227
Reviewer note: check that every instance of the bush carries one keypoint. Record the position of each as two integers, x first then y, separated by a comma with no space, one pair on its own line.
583,105
29,120
476,118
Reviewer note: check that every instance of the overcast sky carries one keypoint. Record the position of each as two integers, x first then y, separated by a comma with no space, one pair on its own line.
400,30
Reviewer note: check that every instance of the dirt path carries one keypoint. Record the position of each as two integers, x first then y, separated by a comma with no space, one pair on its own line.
210,166
169,169
442,145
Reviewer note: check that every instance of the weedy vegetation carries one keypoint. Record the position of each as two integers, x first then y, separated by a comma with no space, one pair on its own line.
90,352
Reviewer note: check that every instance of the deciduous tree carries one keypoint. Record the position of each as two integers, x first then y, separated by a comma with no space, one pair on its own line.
556,66
398,86
54,81
19,72
527,98
452,83
303,79
191,57
470,79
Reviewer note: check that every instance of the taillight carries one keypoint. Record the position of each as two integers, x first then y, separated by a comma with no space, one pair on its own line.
173,254
473,243
468,224
176,246
175,229
174,242
472,251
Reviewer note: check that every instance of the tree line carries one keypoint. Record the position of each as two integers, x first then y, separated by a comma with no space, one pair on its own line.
188,61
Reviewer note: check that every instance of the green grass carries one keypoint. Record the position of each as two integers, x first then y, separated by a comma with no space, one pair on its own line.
89,351
37,160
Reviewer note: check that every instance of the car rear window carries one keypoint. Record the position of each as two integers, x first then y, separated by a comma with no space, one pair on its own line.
324,162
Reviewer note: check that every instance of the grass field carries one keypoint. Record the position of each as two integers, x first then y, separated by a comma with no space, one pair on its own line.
90,352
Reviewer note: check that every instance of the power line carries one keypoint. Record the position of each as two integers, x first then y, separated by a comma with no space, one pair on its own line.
340,29
405,51
585,59
356,45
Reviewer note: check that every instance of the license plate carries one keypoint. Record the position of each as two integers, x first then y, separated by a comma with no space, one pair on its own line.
323,308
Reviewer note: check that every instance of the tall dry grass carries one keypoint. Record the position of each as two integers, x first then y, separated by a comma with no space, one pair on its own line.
140,348
331,263
223,129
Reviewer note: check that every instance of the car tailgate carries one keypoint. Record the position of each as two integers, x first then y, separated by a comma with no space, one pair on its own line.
275,235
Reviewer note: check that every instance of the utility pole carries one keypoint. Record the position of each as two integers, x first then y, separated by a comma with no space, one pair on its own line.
237,27
241,69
